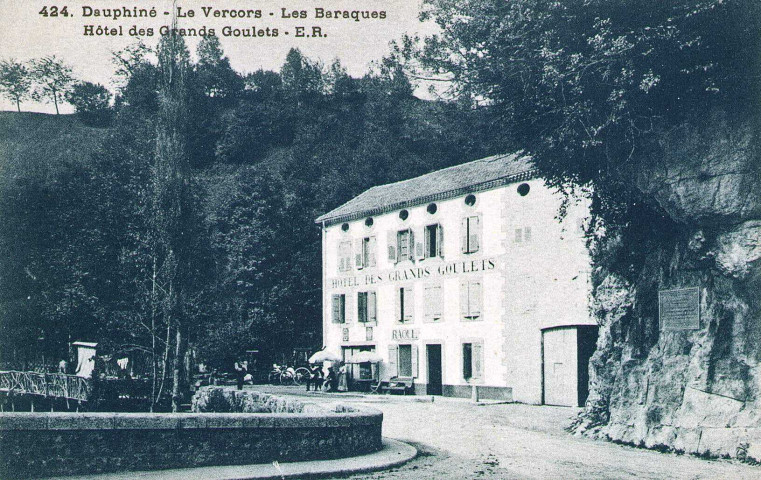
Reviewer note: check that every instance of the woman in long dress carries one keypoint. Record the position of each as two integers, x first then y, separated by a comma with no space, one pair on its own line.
343,383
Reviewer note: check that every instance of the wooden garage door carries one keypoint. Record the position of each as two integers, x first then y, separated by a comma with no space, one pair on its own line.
560,367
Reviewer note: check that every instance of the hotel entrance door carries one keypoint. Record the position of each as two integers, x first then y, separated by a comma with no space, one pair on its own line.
433,358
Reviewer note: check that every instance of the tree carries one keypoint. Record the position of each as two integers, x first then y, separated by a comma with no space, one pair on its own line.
15,82
214,73
92,102
52,80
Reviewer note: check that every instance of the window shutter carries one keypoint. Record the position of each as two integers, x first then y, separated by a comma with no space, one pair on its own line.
362,306
391,241
409,305
345,311
358,253
414,361
464,299
428,304
411,245
336,300
527,234
475,299
372,307
518,235
393,353
371,246
427,242
440,242
341,257
475,234
478,360
464,235
421,237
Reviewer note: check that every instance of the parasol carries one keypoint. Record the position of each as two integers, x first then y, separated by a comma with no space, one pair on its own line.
365,357
325,356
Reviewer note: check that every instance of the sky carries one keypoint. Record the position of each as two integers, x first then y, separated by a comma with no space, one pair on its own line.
27,33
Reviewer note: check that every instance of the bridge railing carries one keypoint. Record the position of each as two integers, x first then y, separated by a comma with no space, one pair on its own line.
54,385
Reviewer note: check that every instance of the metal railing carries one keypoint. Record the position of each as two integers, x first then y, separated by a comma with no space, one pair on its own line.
51,385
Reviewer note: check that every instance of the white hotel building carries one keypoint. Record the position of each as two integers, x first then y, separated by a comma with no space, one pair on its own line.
464,276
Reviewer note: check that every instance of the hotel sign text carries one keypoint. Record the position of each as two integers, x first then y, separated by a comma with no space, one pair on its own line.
414,273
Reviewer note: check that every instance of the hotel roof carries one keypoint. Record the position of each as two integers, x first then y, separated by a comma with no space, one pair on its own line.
475,176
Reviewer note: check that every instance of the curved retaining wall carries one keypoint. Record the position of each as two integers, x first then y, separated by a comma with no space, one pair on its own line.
50,444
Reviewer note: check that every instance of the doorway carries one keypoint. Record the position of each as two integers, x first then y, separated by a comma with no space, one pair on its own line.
565,357
433,355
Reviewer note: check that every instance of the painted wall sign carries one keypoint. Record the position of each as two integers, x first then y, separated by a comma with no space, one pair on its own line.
345,334
679,309
406,274
404,334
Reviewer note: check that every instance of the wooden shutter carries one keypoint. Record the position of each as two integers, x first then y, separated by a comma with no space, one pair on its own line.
518,235
428,304
419,250
414,357
336,301
427,242
393,360
475,234
371,255
391,242
440,241
358,253
464,235
474,299
345,312
464,311
527,234
372,307
409,305
411,245
478,360
362,307
341,257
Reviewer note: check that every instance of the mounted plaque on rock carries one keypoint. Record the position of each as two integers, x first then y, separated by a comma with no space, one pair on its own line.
679,309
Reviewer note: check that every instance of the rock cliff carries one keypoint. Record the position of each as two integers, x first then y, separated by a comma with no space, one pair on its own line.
697,391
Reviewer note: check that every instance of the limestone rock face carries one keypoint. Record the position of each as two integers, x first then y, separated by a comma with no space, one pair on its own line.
697,391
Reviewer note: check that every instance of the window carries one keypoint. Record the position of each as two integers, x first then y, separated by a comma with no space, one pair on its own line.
339,308
434,239
402,360
404,242
405,360
344,256
470,200
405,304
471,234
472,361
522,235
523,189
366,307
364,255
433,303
470,300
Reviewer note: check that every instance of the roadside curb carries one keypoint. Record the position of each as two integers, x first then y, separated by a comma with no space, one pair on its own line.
393,454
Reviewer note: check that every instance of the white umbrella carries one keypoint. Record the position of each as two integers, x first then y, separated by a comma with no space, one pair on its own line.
365,357
325,356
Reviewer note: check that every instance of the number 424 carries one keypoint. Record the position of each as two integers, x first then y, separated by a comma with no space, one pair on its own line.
54,11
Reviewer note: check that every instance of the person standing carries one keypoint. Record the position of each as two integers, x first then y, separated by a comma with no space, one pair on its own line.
240,374
343,383
314,377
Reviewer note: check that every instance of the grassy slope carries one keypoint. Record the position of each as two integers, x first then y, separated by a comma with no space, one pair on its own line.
36,144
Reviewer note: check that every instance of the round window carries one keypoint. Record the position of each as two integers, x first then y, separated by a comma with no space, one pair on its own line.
470,200
369,221
523,189
432,208
345,227
404,214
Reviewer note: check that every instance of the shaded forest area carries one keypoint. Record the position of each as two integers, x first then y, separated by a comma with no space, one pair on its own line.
81,213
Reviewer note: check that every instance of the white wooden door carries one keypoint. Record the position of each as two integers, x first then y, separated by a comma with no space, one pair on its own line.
560,367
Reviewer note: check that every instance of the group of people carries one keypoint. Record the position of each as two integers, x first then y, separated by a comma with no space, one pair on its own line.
328,381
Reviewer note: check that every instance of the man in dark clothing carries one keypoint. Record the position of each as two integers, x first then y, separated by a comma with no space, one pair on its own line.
240,374
314,378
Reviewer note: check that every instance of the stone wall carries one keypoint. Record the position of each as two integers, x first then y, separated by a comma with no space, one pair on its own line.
697,391
51,444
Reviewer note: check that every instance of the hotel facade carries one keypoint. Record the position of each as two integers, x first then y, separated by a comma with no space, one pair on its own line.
464,276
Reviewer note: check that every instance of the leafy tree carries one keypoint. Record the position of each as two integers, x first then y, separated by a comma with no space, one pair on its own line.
52,80
15,82
214,73
92,102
